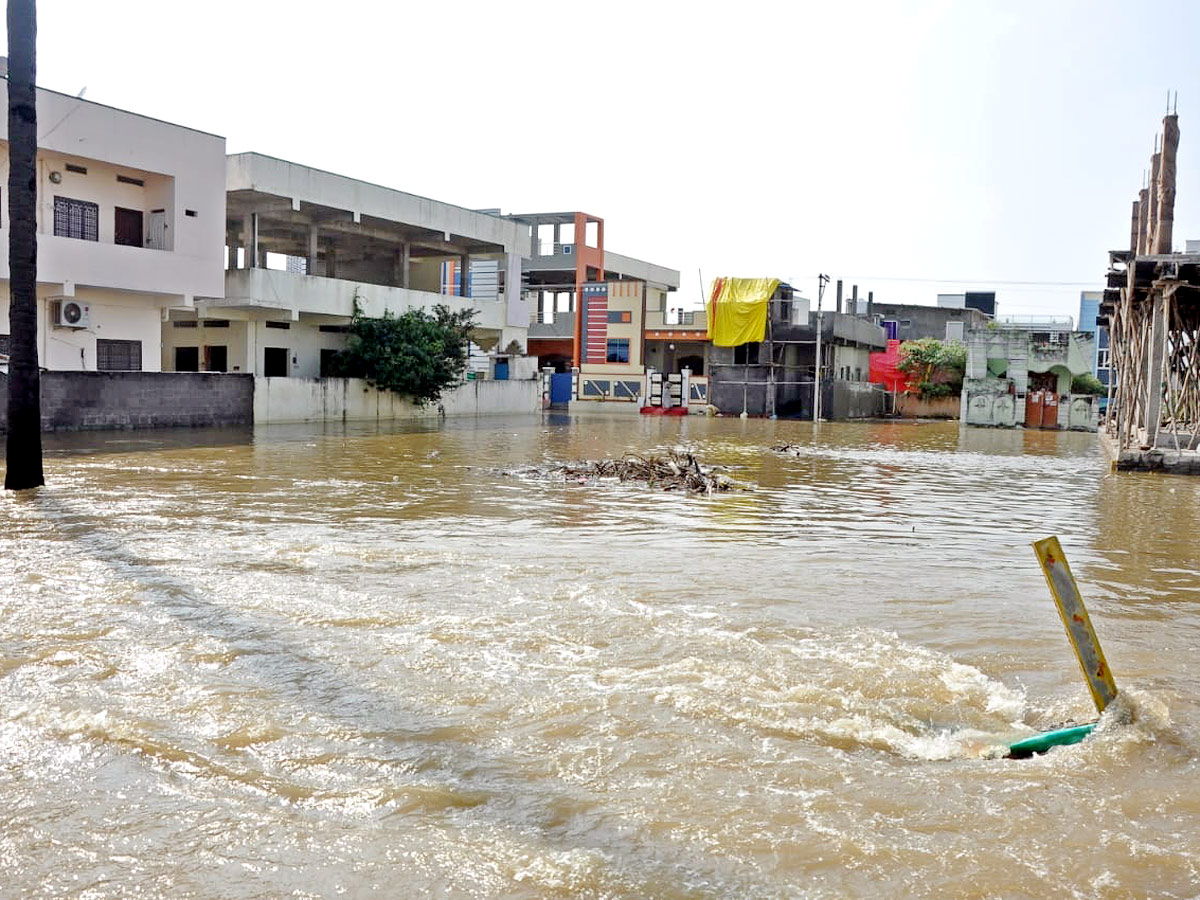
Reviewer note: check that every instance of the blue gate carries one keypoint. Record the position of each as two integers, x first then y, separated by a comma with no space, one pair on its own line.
560,389
501,372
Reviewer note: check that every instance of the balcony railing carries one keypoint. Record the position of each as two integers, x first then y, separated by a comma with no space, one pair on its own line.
676,318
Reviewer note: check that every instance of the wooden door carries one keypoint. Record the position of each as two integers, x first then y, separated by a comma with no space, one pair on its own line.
127,227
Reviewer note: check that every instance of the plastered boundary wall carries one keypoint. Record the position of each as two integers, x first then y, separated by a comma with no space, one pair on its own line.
279,400
99,401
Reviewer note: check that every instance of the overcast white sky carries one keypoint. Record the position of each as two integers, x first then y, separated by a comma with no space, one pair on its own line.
899,145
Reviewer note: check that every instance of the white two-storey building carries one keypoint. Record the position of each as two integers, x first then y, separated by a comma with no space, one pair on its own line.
131,223
302,245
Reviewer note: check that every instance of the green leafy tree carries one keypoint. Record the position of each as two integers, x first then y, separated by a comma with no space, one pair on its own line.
417,354
936,368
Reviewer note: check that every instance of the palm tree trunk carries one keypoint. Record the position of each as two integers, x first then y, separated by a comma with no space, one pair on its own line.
24,446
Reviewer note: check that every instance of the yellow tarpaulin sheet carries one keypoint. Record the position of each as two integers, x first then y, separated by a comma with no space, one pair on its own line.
737,310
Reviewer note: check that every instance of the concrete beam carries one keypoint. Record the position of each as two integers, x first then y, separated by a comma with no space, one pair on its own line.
393,235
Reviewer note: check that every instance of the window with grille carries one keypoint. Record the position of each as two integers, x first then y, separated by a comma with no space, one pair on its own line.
118,356
4,345
76,219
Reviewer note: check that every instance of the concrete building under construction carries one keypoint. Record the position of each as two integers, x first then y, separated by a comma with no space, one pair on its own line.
1152,309
777,376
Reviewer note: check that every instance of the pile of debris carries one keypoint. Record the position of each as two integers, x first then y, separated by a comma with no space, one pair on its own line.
679,470
790,449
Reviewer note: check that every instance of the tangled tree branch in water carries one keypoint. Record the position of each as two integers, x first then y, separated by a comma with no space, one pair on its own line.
677,471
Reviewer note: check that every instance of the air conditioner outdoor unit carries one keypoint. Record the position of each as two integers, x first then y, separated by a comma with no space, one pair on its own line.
70,313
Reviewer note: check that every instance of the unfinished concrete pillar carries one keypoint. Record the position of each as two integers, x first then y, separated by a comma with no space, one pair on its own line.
1152,213
870,304
1164,229
405,263
313,249
839,295
853,310
1143,239
1133,227
397,266
1154,367
250,239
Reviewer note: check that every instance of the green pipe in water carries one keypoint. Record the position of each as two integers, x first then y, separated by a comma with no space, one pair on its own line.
1040,743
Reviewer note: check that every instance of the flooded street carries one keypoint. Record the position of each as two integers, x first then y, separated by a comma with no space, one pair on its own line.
331,662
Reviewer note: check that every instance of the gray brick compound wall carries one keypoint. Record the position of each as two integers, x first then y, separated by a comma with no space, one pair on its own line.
95,401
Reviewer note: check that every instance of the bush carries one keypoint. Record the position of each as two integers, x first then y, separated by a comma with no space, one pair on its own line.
416,354
1087,383
935,367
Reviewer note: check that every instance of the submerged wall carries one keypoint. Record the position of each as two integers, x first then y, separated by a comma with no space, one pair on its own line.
910,406
852,400
87,401
97,401
352,399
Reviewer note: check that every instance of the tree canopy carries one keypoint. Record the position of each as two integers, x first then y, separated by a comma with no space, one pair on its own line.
418,354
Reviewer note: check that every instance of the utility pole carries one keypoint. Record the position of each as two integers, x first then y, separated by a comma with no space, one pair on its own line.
23,456
822,280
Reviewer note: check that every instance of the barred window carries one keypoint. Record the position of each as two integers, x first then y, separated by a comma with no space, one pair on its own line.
76,219
4,344
118,356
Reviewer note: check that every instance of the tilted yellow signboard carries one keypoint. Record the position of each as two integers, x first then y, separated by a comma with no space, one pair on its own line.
1075,619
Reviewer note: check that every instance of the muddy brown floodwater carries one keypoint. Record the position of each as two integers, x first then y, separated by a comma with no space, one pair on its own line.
327,662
